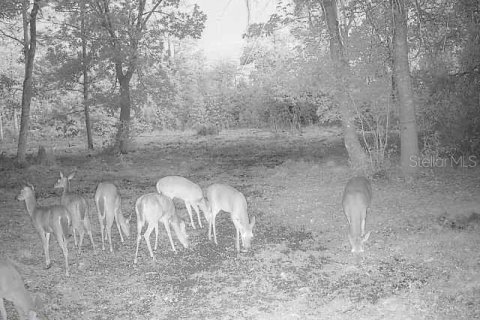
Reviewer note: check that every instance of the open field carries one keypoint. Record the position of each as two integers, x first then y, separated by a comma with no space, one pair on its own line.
422,260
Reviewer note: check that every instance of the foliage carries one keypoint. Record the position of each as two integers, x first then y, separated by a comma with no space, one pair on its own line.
284,79
204,130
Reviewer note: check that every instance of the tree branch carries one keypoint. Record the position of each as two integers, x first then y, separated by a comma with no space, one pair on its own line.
149,14
10,37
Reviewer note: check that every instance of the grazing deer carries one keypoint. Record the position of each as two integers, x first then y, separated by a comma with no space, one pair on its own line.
13,289
151,209
356,201
186,190
78,207
223,197
47,220
108,201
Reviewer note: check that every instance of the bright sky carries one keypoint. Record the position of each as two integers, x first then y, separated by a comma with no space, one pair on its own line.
226,22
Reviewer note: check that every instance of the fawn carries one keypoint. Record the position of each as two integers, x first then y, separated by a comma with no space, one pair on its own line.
223,197
47,220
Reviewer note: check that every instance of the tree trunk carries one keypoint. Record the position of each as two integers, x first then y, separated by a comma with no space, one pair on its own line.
358,157
85,78
15,122
30,44
1,125
401,73
123,133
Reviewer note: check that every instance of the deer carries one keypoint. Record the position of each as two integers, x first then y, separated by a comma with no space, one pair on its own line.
222,197
357,198
54,219
108,202
79,210
13,289
151,209
186,190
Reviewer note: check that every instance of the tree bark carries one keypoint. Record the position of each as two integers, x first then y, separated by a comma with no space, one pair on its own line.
357,155
123,134
124,77
30,45
85,77
1,125
401,72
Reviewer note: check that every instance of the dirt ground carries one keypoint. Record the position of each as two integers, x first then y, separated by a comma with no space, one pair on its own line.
422,260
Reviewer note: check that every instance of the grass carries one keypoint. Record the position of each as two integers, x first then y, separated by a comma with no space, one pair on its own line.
421,260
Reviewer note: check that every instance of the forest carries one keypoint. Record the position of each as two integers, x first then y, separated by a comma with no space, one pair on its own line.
119,70
321,91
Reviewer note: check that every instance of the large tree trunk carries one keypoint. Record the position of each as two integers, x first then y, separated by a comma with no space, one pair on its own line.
123,133
358,157
401,73
30,44
85,77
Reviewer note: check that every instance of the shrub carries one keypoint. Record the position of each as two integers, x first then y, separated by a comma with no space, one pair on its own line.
205,130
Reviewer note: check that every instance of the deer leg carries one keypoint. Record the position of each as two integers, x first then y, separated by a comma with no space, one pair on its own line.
214,231
146,235
63,245
237,244
82,234
189,209
139,238
109,232
46,241
88,227
75,235
117,212
100,220
156,236
197,210
210,223
169,232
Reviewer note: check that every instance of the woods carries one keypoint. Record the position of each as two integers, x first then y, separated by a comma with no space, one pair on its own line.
400,77
331,148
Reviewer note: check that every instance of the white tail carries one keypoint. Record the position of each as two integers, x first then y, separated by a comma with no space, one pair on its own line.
78,207
151,209
108,203
356,201
13,289
186,190
47,220
223,197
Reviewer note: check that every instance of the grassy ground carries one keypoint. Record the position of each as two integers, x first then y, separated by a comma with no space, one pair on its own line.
422,260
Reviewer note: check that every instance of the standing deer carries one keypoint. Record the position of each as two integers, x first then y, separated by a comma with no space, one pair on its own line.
78,207
223,197
151,209
357,197
13,289
47,220
108,201
186,190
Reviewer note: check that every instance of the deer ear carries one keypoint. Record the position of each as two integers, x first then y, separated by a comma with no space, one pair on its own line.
70,177
61,174
30,185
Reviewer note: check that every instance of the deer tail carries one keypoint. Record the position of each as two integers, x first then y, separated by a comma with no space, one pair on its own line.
101,207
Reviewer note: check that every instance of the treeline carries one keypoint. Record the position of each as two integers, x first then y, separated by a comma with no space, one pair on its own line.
122,67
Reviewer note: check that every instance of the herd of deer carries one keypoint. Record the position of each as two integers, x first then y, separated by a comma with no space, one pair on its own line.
73,214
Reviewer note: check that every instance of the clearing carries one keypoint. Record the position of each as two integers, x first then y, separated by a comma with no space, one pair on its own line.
422,260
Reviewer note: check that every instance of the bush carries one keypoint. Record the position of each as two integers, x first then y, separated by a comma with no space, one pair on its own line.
207,130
